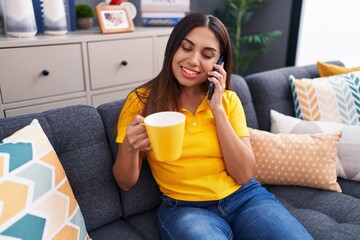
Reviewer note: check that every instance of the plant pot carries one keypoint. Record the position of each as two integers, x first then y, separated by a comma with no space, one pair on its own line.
85,23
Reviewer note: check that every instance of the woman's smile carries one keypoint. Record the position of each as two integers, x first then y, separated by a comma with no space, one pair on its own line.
188,73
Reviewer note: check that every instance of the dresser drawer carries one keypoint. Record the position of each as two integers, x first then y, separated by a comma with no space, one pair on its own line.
24,71
44,107
99,99
114,63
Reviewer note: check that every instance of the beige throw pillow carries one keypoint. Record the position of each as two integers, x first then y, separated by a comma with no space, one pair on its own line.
307,160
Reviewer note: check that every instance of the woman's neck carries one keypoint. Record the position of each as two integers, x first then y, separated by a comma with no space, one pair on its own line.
191,98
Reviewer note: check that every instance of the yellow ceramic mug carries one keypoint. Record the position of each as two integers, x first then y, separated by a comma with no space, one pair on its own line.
166,134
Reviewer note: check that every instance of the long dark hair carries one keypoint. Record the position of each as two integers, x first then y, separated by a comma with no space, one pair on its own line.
165,89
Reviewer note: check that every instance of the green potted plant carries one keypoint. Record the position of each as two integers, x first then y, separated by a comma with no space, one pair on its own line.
84,15
245,48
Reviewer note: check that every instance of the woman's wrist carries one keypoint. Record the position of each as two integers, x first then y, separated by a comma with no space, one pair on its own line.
218,111
128,146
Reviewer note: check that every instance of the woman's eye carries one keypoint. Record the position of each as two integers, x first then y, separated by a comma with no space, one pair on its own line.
186,48
207,56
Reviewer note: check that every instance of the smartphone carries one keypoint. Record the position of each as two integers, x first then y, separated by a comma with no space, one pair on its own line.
212,86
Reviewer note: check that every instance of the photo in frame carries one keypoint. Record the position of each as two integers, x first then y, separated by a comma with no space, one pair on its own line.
114,19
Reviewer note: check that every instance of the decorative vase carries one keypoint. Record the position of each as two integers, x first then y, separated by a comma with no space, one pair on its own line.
20,18
54,17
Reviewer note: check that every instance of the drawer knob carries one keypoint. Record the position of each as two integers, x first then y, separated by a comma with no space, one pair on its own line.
45,72
124,63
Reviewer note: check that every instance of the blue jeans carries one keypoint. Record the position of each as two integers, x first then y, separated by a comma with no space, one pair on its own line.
251,212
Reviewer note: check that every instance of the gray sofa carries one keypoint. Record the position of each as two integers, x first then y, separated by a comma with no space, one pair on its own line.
84,138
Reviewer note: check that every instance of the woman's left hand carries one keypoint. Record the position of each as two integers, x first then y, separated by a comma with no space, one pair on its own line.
219,80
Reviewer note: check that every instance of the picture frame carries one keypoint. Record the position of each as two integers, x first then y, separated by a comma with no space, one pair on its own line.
114,19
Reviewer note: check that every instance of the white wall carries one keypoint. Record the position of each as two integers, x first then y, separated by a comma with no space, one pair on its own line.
329,30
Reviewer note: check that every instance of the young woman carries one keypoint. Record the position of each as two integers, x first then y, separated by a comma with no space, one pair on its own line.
208,193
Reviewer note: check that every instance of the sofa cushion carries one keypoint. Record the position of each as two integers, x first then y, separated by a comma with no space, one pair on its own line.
145,195
78,137
333,99
115,231
32,182
296,159
271,90
146,224
325,214
348,155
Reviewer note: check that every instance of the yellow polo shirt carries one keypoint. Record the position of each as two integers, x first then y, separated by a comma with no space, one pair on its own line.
199,174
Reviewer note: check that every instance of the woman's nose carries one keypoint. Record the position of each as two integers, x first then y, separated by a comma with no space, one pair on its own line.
194,59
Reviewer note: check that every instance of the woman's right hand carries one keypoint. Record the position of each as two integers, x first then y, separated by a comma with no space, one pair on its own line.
131,153
136,137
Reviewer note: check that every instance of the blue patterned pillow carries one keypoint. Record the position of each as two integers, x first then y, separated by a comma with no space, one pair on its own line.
331,99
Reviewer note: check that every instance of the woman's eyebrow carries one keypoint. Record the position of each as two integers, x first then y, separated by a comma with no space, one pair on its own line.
206,48
189,41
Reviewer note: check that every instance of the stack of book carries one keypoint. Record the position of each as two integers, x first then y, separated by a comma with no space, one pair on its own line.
163,12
